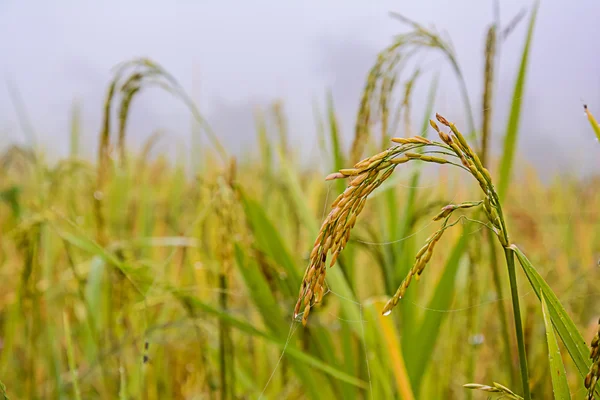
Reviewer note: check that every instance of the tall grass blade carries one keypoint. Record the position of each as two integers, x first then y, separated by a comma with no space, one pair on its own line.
270,242
564,325
392,343
557,368
512,129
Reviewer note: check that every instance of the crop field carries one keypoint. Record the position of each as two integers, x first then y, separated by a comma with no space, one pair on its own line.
414,263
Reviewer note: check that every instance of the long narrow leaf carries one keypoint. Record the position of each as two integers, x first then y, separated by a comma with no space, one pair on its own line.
391,337
270,242
564,325
512,130
557,368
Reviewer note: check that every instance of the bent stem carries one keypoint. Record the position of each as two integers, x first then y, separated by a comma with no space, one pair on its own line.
510,263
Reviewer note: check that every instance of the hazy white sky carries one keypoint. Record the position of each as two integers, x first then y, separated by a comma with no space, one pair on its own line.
235,55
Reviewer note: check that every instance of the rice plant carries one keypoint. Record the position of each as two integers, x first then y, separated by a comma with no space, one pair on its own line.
454,150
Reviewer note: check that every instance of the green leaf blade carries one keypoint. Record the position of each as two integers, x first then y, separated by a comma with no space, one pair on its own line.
564,325
512,129
557,368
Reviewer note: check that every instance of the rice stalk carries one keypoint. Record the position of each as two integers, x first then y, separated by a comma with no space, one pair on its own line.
376,97
490,53
129,79
388,83
370,173
227,217
103,164
385,73
71,357
363,120
428,38
129,89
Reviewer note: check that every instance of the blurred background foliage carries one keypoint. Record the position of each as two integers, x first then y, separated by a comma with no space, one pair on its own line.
130,277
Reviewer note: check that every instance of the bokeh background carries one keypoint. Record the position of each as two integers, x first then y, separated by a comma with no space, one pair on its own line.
232,57
165,267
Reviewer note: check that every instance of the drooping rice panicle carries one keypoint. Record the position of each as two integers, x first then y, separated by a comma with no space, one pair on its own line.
365,177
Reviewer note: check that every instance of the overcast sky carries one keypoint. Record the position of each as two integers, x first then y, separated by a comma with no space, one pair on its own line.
232,56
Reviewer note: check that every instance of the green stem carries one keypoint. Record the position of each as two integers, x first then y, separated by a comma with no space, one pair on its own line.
510,263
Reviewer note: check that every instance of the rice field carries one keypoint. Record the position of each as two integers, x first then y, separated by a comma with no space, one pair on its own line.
408,267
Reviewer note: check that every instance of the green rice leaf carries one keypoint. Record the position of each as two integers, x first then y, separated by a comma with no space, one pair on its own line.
270,242
512,130
557,368
564,325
